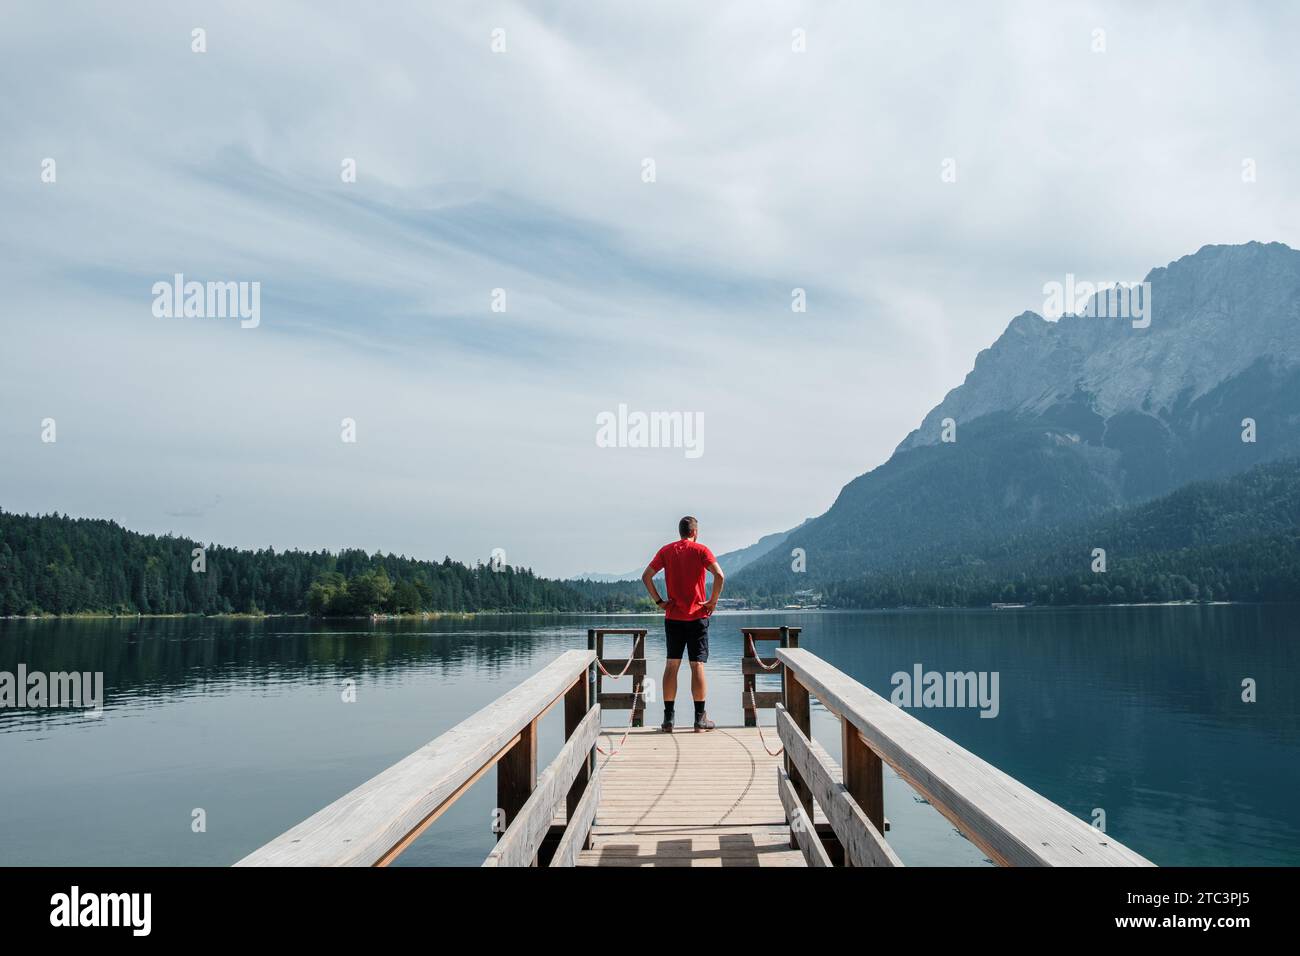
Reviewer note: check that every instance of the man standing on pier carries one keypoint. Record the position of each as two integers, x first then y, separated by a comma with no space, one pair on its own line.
686,613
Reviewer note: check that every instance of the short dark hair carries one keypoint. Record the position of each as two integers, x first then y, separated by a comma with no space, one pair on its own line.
686,526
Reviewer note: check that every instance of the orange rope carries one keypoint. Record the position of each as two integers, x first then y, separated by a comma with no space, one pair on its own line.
626,666
753,650
761,739
627,730
636,692
753,703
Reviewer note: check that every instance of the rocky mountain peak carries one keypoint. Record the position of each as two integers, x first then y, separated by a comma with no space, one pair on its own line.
1212,314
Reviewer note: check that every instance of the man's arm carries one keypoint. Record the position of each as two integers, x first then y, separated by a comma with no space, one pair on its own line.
715,592
648,579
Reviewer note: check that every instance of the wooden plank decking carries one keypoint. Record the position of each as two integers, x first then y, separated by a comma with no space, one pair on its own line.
688,799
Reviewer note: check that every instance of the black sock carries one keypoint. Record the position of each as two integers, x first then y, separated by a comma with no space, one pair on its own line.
668,710
699,709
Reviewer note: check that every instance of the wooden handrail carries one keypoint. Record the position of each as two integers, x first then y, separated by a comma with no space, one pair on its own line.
802,831
1012,824
373,823
862,843
577,834
520,842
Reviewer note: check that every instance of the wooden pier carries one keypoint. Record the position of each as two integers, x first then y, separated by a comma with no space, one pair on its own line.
736,796
688,799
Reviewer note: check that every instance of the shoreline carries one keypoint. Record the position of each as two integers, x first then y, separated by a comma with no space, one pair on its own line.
466,615
245,616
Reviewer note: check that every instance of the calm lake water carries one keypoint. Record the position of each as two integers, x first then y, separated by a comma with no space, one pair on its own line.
1136,711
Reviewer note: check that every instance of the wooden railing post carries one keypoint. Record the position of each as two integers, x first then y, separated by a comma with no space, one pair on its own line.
750,681
638,686
593,672
517,774
798,705
577,701
864,775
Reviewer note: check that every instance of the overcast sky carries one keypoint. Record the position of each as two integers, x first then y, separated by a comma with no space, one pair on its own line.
522,170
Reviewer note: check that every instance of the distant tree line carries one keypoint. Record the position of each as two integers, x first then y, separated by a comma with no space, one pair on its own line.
1260,569
1235,539
60,565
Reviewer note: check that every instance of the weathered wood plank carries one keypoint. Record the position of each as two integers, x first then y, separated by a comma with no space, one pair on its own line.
827,761
400,846
694,848
799,706
577,702
864,775
862,841
801,826
665,791
361,827
575,836
759,665
517,775
523,837
1012,824
759,846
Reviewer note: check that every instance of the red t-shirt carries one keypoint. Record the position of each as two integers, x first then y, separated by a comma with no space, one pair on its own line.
683,564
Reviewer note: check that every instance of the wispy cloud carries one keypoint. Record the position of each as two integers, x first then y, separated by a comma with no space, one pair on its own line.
522,171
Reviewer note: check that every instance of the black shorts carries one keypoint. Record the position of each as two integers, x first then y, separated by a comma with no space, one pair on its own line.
690,636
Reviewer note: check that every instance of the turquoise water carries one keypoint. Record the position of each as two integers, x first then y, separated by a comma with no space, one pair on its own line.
1134,711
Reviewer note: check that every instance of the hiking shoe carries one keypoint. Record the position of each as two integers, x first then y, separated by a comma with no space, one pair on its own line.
702,722
666,726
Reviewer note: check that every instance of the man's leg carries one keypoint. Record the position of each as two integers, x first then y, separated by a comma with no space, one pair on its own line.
669,688
699,654
699,685
675,640
669,685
